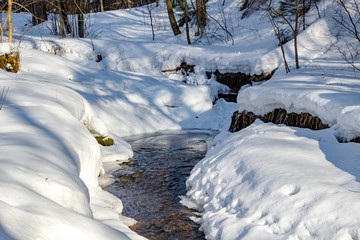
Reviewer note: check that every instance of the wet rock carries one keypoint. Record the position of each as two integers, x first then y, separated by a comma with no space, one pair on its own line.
241,120
236,80
233,80
277,116
227,96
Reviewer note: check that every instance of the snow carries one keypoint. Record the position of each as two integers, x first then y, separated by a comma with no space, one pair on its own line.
50,163
265,182
276,182
329,91
5,48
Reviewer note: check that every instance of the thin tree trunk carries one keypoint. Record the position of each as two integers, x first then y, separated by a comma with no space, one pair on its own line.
61,20
187,23
172,19
1,28
10,20
55,24
66,22
81,25
80,17
277,33
151,22
199,12
38,11
317,8
65,18
303,12
101,5
296,29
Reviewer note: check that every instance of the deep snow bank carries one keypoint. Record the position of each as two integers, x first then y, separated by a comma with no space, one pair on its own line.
324,86
124,40
50,164
49,147
331,94
276,182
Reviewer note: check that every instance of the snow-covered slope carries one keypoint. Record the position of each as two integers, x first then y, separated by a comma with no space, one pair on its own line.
266,181
55,106
276,182
50,164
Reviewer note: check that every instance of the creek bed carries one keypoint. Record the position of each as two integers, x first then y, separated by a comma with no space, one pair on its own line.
151,183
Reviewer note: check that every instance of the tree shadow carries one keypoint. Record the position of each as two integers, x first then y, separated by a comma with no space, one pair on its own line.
344,156
40,132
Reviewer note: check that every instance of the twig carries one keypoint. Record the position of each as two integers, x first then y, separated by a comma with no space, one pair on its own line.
223,28
3,96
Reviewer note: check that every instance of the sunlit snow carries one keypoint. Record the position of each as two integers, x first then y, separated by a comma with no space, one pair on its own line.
265,182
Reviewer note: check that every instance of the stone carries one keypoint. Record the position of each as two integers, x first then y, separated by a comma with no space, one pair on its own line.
236,80
105,141
277,116
10,62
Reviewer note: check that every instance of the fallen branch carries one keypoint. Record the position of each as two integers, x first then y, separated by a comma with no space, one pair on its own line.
184,67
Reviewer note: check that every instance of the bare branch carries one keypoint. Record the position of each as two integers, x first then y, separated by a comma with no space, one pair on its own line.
3,96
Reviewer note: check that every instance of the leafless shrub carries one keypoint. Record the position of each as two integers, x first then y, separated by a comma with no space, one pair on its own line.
351,54
222,29
3,96
349,17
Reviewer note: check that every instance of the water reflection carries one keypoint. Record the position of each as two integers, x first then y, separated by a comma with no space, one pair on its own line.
150,185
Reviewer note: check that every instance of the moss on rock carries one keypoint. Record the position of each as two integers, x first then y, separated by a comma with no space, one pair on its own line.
10,62
105,141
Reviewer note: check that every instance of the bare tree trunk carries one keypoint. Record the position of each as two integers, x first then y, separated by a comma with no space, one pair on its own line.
277,33
317,8
187,23
296,29
80,17
54,24
65,19
303,12
10,20
151,22
172,19
1,29
199,12
81,25
38,11
61,20
101,5
200,15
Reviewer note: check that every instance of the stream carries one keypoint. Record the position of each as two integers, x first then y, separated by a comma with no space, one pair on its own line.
151,184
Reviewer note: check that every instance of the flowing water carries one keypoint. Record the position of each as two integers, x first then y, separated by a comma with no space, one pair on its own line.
150,185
